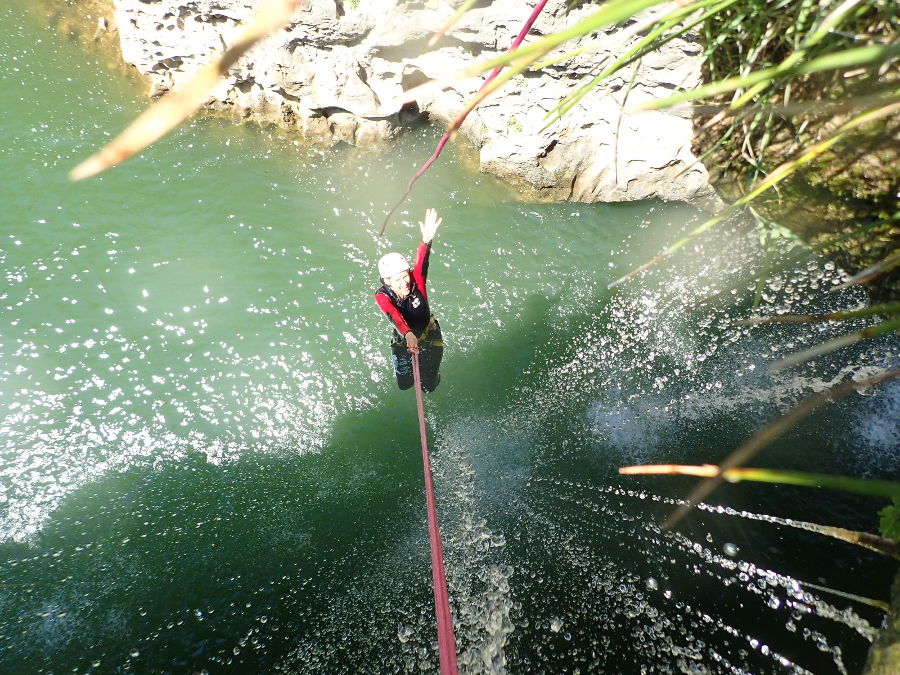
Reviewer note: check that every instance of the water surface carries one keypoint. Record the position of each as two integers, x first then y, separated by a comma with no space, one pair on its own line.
206,465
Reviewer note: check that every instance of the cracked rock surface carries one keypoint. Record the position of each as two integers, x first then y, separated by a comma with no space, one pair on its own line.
335,73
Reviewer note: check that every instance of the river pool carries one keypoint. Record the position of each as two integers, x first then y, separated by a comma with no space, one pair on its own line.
207,467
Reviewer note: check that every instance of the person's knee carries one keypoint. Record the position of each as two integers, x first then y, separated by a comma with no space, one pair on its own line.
402,366
430,384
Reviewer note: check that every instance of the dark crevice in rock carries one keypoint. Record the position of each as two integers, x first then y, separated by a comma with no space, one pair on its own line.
244,85
171,63
413,77
410,115
547,150
287,96
414,48
328,112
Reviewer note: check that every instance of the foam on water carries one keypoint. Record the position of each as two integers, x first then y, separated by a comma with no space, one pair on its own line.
593,578
805,609
873,434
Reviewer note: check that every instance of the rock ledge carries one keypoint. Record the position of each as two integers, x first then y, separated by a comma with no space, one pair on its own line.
336,68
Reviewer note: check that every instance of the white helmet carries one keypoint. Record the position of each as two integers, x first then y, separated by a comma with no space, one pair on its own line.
391,264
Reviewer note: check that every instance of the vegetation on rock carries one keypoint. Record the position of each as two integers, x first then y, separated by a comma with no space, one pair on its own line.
854,183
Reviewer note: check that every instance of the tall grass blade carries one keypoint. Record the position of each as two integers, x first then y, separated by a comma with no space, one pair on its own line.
888,309
841,60
173,109
777,175
875,488
877,604
837,343
628,89
830,22
769,433
862,486
871,272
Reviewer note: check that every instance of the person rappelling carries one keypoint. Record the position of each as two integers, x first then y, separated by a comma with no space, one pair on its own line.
402,297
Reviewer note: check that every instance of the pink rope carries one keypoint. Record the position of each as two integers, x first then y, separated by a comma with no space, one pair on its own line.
446,640
440,146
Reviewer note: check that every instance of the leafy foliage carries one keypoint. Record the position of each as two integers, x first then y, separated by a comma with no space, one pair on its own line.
889,526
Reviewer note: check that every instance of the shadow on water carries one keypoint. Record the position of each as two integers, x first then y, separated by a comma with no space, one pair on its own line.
191,565
592,582
289,561
280,559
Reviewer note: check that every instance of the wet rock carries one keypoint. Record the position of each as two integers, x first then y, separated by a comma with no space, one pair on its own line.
336,73
884,656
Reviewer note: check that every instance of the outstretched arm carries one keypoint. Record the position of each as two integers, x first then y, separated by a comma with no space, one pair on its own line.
397,318
430,225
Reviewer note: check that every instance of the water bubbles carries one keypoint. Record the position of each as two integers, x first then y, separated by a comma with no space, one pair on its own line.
730,549
213,390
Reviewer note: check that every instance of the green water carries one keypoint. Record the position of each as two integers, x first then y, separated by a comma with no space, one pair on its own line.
206,465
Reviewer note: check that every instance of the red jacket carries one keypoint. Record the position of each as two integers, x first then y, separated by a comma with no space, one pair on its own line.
412,313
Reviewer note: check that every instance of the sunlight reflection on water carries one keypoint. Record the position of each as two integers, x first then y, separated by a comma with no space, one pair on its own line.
205,463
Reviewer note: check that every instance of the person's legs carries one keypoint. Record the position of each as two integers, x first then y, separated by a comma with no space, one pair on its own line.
402,361
431,351
429,366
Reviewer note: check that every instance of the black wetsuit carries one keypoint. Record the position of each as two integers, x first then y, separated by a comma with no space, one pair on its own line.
413,314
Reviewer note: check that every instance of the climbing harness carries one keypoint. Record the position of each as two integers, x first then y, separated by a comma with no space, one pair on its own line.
424,338
440,146
446,640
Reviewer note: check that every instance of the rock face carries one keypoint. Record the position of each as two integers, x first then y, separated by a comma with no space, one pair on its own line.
335,72
884,657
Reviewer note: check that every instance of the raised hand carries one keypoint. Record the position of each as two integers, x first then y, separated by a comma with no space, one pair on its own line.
430,226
